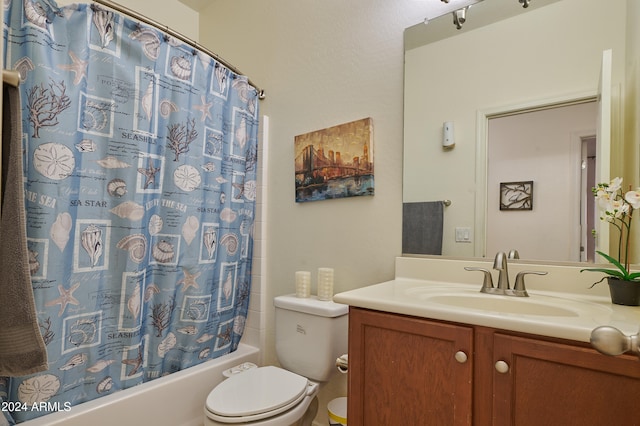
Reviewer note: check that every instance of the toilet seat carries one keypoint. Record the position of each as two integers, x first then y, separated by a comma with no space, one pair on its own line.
256,394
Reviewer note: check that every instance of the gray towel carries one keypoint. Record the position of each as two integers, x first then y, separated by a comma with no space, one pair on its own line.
22,349
422,227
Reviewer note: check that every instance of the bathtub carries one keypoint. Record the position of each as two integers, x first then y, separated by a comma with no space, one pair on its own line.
174,400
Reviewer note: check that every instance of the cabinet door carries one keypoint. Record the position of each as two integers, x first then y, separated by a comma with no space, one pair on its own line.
408,371
549,383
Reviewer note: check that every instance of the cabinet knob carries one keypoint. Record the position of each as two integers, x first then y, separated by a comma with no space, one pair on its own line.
461,357
502,367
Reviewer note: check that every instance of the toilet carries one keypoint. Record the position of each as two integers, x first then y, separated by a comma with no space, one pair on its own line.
310,334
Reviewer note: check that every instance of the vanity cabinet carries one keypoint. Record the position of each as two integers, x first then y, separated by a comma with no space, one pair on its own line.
406,370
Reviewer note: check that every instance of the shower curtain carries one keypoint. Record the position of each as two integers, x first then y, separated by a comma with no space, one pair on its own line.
140,157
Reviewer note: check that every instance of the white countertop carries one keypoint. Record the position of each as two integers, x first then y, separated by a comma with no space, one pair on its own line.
414,296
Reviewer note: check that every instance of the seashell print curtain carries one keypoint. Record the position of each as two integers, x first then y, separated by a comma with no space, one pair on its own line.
140,157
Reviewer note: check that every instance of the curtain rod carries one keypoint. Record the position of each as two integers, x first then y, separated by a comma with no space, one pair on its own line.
173,33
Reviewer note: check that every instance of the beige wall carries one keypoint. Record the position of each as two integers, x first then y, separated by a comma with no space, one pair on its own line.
323,63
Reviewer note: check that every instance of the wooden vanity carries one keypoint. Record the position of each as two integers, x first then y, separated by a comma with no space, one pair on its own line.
405,370
412,362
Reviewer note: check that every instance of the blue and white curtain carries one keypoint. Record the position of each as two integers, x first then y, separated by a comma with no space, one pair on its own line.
140,157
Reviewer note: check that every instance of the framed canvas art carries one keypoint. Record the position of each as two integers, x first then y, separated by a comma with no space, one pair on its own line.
335,162
516,195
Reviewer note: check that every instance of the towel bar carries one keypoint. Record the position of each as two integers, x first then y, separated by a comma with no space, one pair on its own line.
11,77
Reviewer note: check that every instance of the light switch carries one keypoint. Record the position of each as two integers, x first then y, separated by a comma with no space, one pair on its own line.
463,235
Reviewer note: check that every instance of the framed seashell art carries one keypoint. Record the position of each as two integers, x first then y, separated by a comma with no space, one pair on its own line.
335,162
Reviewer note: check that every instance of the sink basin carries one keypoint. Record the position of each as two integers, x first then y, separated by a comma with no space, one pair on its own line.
504,304
537,305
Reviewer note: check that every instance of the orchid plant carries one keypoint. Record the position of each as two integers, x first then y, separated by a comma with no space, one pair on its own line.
617,209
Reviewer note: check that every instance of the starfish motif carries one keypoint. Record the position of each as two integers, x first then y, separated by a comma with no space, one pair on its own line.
136,362
66,297
149,173
189,280
204,108
225,335
240,188
79,67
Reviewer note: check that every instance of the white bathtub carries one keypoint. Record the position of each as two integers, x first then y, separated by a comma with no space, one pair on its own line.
174,400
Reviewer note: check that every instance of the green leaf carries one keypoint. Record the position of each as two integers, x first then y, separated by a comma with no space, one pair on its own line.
612,272
617,264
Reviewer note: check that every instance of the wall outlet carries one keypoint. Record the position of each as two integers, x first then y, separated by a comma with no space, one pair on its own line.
463,235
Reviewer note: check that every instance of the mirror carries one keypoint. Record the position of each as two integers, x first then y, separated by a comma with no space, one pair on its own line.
504,59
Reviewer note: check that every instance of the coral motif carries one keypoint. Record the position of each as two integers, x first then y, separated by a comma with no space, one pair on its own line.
54,160
161,316
91,239
38,389
180,137
45,104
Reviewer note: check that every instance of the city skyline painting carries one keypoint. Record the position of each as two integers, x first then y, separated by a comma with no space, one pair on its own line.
335,162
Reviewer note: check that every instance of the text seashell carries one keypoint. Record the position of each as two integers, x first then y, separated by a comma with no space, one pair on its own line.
149,40
111,162
204,354
227,287
60,230
187,178
150,291
230,242
163,251
103,20
75,361
155,224
167,107
205,338
133,304
129,210
190,229
136,245
117,187
23,66
91,240
86,145
238,324
147,100
34,264
243,88
190,330
105,385
38,389
181,68
228,215
209,241
100,365
35,13
167,344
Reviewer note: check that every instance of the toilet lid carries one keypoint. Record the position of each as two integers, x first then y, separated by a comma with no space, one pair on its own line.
256,393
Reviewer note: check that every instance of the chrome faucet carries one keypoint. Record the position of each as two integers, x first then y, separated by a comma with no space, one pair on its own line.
503,287
500,264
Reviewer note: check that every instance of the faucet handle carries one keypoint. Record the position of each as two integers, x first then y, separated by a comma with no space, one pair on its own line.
487,283
519,287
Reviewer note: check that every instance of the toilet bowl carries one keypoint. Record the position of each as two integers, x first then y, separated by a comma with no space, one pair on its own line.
310,334
260,397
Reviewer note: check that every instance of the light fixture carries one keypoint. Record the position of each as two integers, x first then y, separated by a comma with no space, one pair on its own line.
459,17
524,3
448,142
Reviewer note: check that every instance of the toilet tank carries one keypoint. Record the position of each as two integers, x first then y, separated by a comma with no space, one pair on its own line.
310,335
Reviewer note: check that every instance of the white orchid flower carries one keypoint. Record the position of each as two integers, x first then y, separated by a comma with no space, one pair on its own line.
633,198
615,185
618,208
